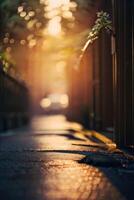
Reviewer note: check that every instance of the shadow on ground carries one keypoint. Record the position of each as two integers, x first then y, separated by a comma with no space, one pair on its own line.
118,169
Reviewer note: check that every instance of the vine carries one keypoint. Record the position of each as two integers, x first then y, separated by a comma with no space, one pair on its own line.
102,22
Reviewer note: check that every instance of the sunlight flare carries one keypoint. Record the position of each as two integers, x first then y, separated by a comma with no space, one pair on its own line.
55,11
54,27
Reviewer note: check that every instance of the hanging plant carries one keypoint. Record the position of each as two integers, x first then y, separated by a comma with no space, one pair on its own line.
87,37
102,22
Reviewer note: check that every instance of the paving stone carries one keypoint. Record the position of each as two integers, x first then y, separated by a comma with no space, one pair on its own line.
48,167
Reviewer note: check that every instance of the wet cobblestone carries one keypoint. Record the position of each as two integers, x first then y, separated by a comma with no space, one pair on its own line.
46,167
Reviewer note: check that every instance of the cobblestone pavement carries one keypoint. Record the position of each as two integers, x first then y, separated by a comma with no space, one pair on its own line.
43,163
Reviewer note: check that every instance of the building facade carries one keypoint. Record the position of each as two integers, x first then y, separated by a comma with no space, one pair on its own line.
105,80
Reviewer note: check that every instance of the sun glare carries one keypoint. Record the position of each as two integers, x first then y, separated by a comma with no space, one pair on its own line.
54,12
54,27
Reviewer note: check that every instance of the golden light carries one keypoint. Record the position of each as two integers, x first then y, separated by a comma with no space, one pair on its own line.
29,37
32,43
47,9
38,24
31,23
60,66
57,3
42,1
67,14
23,14
20,9
45,103
64,100
70,25
23,42
54,12
54,27
27,18
73,5
31,13
65,8
51,14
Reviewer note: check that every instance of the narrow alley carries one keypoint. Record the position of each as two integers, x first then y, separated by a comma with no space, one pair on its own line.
66,100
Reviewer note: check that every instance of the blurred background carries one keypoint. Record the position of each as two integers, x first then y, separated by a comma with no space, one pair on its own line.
43,69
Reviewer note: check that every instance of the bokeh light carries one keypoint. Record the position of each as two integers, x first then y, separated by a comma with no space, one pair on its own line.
55,11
